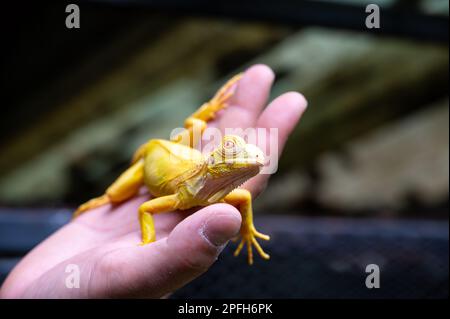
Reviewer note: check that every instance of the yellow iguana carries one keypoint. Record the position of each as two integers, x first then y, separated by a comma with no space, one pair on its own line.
180,177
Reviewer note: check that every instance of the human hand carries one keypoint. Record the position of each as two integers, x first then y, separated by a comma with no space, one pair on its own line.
103,242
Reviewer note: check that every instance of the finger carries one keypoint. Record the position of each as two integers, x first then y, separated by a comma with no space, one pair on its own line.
282,114
166,265
249,99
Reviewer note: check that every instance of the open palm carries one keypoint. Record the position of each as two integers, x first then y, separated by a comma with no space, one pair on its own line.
103,243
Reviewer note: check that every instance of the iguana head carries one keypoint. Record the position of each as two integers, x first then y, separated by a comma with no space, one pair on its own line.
230,165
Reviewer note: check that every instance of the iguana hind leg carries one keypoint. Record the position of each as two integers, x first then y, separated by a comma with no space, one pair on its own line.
197,122
242,199
125,187
209,109
90,204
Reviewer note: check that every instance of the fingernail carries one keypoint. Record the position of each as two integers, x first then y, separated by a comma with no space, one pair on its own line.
220,228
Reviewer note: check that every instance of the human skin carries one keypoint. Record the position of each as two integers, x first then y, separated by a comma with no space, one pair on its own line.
103,242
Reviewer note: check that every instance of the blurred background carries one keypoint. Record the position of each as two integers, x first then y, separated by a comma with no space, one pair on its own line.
363,179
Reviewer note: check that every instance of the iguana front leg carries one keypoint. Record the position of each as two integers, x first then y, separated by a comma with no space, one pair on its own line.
125,187
242,199
154,206
196,123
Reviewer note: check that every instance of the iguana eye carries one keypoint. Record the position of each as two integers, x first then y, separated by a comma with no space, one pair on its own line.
228,144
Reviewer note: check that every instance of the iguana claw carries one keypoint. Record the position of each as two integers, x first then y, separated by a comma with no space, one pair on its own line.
249,238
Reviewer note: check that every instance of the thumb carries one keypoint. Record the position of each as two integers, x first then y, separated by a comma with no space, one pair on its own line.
168,264
197,241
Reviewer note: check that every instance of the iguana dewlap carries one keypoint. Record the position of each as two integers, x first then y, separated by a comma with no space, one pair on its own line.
180,177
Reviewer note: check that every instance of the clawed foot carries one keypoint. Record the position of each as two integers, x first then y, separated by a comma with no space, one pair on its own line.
143,243
249,237
146,241
91,204
220,100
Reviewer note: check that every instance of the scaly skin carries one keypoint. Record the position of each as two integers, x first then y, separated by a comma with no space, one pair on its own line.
179,177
